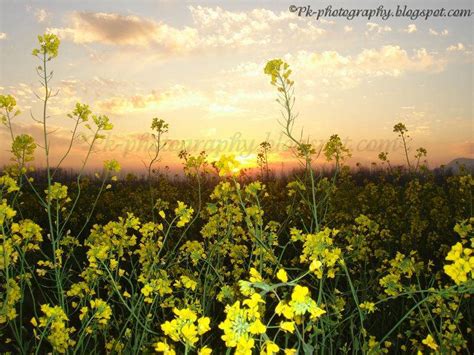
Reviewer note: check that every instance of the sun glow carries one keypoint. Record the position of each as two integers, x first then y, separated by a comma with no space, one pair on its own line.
248,161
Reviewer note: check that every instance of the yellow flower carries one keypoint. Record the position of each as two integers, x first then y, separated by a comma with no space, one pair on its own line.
245,346
254,300
102,311
257,327
288,327
227,165
203,325
239,326
83,313
302,303
147,290
112,165
316,312
430,342
54,323
185,314
255,275
188,282
205,351
183,213
462,266
189,332
300,293
270,348
164,348
284,309
9,183
282,275
57,191
368,306
183,327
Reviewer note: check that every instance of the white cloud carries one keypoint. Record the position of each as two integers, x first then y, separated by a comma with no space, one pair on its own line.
411,28
218,27
336,70
326,22
41,15
115,29
174,98
211,28
376,28
459,47
418,122
444,32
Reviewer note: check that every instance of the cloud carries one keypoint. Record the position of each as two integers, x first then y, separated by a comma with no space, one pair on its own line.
411,28
3,35
121,30
41,15
69,91
211,28
338,70
348,71
459,47
444,32
418,122
218,27
176,97
376,28
392,60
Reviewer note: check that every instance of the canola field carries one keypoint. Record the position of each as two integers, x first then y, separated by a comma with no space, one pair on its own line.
224,262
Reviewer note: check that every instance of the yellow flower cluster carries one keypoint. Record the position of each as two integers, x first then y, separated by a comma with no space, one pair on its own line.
159,286
319,251
186,327
183,213
368,306
242,323
6,212
11,295
227,165
55,323
8,183
112,165
57,191
101,312
399,268
278,69
462,267
299,305
430,342
24,236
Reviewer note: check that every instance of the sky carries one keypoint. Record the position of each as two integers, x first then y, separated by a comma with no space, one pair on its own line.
199,66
